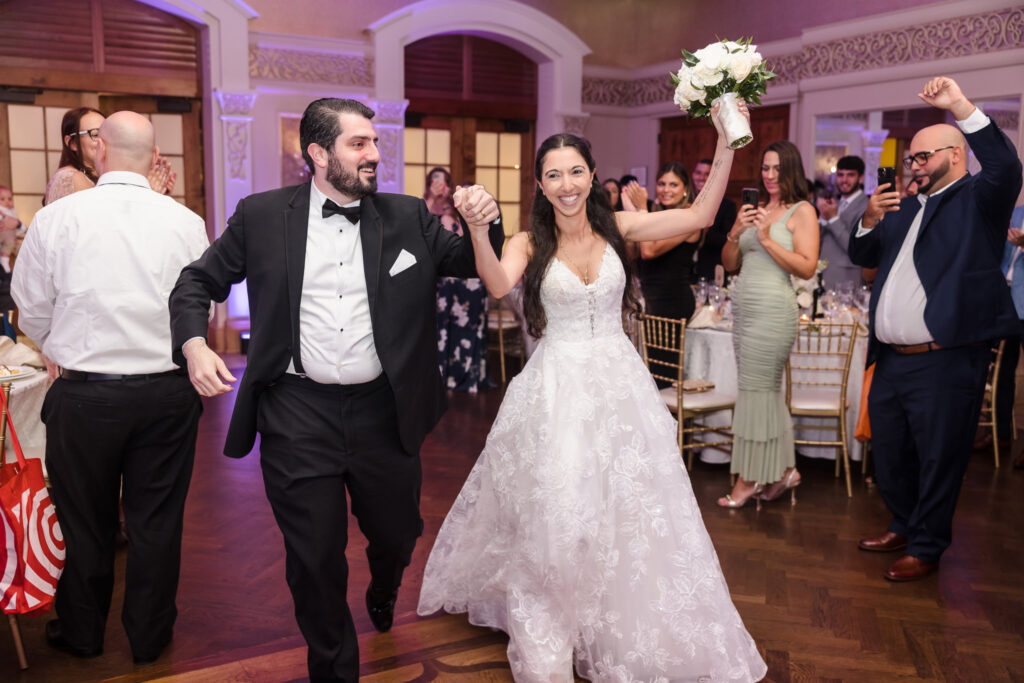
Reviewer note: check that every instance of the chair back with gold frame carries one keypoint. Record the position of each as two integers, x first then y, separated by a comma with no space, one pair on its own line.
668,336
505,336
817,375
988,405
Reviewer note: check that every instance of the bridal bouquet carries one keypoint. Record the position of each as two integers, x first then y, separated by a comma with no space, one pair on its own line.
805,289
724,71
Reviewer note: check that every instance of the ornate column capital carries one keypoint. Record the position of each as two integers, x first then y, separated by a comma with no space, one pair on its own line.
574,124
238,104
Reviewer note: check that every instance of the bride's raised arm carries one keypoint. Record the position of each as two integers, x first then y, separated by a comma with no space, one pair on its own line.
479,209
658,225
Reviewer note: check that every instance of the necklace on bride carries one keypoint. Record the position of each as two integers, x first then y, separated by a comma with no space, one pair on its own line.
584,272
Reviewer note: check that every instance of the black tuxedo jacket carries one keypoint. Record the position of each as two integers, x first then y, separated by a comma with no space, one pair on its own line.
958,248
265,244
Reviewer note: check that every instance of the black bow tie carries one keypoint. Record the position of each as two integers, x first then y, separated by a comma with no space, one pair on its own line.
349,212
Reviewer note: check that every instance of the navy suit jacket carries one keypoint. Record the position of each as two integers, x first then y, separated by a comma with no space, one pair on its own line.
958,249
265,244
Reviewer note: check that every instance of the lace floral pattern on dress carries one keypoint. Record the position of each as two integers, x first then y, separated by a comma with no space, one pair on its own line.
577,532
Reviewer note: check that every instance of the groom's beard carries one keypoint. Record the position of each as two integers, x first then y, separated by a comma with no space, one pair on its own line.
350,184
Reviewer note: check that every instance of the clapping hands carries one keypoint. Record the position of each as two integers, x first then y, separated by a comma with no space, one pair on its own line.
634,197
161,176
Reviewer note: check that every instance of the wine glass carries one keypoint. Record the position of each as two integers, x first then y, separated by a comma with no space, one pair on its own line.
830,303
864,298
846,294
702,291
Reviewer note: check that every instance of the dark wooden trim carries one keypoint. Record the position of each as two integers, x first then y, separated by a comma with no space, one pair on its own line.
5,147
66,79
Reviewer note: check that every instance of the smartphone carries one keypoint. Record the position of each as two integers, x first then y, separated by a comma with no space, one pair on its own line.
887,174
750,196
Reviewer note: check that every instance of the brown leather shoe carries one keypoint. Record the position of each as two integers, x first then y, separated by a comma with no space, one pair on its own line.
910,568
885,543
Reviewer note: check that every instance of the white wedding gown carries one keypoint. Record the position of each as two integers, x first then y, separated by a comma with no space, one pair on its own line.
577,532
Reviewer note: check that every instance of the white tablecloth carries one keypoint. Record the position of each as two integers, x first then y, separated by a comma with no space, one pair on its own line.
710,356
26,403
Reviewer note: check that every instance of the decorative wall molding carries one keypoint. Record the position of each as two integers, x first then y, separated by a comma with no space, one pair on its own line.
1007,120
388,112
285,64
236,137
980,33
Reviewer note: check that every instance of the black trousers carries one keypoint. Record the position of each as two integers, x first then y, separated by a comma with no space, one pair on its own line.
141,431
317,441
924,414
1008,383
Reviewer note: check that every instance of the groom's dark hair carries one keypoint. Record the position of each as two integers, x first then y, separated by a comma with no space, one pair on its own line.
320,123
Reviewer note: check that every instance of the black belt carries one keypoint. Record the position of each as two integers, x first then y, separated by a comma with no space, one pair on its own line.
79,376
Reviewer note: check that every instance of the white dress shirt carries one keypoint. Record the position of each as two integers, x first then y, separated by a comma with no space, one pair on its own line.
94,275
899,316
335,330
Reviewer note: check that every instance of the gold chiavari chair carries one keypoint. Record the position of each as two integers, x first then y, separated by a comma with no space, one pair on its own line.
668,335
988,405
817,374
12,619
505,336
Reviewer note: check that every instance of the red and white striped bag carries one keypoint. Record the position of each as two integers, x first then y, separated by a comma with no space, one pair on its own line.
31,544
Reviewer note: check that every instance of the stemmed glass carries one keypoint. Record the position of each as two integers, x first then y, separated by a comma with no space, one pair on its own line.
864,298
830,302
715,296
702,291
846,294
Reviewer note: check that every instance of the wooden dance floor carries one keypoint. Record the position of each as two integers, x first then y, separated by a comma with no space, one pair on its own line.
817,607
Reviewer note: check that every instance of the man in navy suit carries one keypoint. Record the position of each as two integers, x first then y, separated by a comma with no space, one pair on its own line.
938,302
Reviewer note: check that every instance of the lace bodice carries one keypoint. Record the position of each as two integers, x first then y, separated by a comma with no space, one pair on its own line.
578,312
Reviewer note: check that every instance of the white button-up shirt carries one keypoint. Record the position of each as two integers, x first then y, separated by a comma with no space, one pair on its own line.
335,331
94,275
899,316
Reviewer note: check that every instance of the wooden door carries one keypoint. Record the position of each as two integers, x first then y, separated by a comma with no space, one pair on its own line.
689,140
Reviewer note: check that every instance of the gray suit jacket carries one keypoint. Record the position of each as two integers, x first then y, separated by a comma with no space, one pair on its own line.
835,238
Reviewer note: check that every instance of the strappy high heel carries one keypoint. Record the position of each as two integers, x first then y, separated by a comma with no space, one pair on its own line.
734,503
787,483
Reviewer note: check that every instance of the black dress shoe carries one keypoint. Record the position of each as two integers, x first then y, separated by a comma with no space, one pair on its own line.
382,614
55,639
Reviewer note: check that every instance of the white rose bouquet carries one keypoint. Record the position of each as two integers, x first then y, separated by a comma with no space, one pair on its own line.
724,71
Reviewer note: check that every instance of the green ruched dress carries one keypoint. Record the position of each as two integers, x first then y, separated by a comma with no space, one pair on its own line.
764,330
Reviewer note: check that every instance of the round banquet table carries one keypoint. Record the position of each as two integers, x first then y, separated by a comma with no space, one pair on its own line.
27,394
709,355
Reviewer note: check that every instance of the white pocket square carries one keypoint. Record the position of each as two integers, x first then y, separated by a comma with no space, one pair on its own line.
405,260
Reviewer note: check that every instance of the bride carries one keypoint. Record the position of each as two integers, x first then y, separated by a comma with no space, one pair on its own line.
577,532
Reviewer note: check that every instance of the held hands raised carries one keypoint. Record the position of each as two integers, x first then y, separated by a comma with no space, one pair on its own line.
477,206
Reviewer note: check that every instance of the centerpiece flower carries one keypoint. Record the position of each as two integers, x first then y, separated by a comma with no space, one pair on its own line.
807,291
722,71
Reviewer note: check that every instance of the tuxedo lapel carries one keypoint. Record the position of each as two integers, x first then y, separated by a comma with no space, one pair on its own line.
296,227
371,234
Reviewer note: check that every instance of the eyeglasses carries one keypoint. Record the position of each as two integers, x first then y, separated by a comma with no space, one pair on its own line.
93,133
922,157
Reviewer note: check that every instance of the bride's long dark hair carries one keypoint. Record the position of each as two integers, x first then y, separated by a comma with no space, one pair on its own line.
544,233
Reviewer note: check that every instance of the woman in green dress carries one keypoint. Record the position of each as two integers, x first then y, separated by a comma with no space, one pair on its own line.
768,244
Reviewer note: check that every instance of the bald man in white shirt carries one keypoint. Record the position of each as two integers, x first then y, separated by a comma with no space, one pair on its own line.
92,283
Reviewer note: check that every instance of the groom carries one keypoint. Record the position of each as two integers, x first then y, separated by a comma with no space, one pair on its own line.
342,381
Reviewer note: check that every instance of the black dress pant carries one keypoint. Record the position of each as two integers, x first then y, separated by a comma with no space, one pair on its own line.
140,431
317,441
924,414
